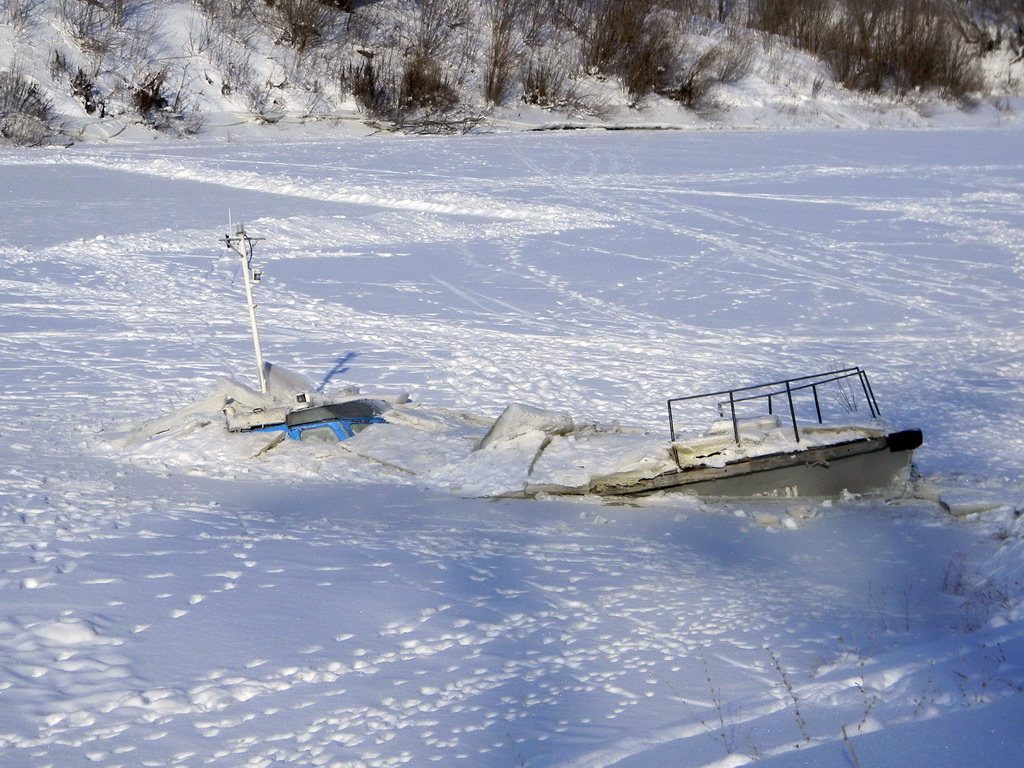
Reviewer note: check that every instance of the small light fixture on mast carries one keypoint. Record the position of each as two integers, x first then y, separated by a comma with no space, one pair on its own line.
242,244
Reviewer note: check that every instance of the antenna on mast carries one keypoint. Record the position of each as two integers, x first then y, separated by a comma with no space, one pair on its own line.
240,242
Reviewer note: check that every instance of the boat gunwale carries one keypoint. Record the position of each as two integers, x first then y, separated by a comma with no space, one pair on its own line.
895,442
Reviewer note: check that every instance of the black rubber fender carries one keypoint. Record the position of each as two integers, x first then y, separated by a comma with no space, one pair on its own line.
905,440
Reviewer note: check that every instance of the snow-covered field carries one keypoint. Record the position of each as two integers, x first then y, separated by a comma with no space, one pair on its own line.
179,601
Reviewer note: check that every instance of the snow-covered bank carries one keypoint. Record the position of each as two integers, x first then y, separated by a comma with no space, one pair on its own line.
135,71
179,602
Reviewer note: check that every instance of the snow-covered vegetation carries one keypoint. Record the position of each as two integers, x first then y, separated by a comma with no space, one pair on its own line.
74,69
181,596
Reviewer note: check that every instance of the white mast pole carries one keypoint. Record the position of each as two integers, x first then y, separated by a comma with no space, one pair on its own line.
242,244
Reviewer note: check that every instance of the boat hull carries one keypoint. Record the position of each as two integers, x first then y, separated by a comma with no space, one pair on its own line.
861,466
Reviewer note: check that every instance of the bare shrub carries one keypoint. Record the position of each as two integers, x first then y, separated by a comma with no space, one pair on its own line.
644,66
83,87
60,66
90,26
438,24
302,24
376,89
876,45
719,11
100,27
537,24
364,25
202,31
19,13
166,106
225,41
230,20
807,23
420,84
543,22
426,88
988,25
913,47
933,54
237,74
983,597
148,96
504,52
553,35
735,59
409,94
80,82
787,685
546,82
227,10
265,101
631,40
694,82
413,73
27,117
612,31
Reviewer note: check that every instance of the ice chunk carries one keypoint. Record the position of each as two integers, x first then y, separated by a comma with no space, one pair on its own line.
518,420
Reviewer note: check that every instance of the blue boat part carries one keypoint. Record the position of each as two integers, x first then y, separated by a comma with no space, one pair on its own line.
340,420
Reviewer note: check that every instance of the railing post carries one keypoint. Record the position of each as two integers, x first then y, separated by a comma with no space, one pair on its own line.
671,425
732,410
792,411
817,404
869,395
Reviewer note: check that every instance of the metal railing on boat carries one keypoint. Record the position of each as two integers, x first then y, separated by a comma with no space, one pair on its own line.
787,389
